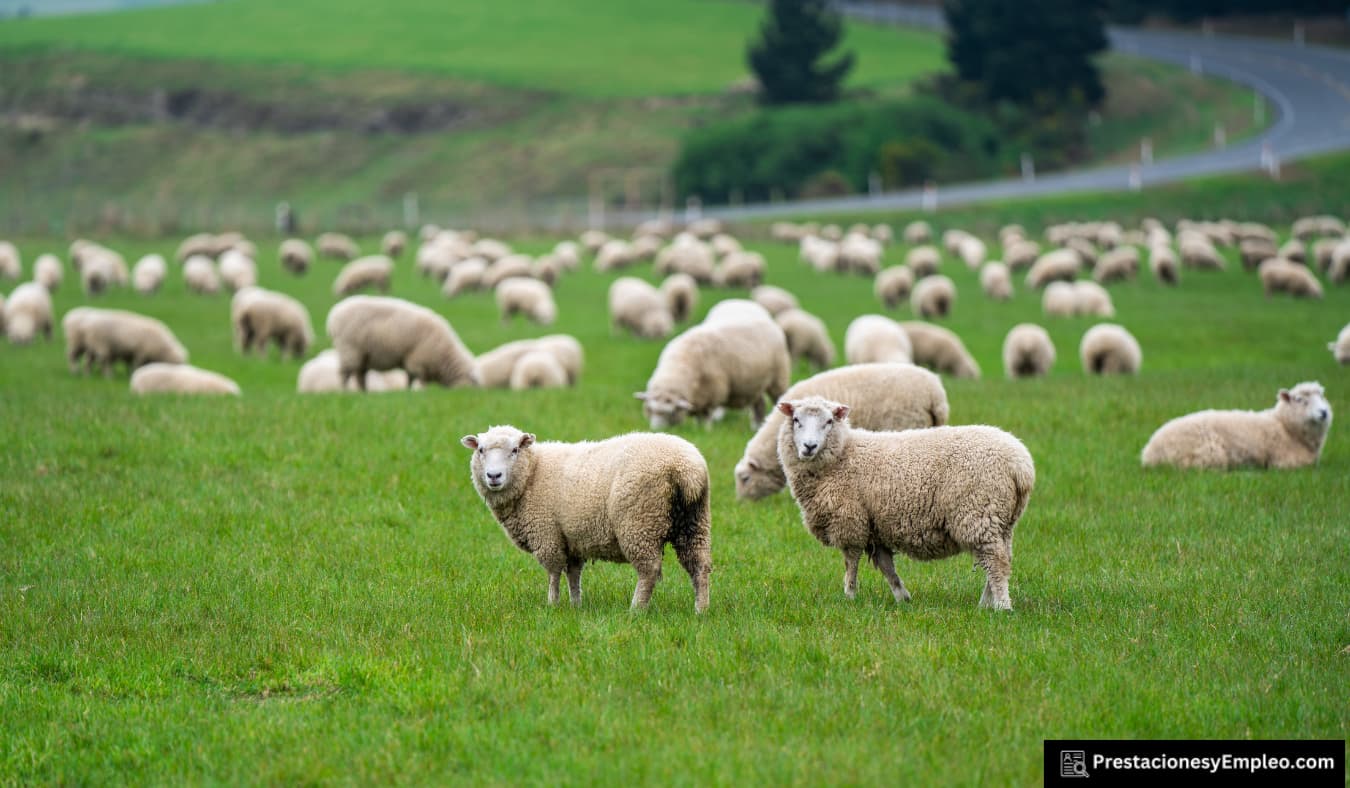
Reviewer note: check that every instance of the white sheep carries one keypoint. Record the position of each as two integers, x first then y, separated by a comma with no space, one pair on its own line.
892,285
199,274
774,299
1255,251
821,254
548,268
393,243
237,270
493,368
687,255
11,264
1197,251
1117,265
1059,299
622,499
923,261
1021,253
740,269
1053,266
636,306
538,369
889,397
860,254
362,273
336,246
918,232
105,337
807,337
381,333
100,269
928,494
504,268
996,281
1289,435
148,275
321,375
972,251
614,255
198,244
681,294
592,240
1282,276
877,339
1340,349
940,350
933,297
464,276
1162,261
1027,351
1338,268
263,316
296,255
28,312
161,378
1092,299
48,272
1109,349
525,296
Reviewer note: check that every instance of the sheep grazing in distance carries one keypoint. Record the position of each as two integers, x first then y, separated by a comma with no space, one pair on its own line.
148,275
1255,251
893,285
923,261
889,397
1021,253
529,297
105,337
464,276
637,307
820,254
1162,261
538,369
493,368
1281,276
393,243
1322,252
724,245
1087,253
1059,299
548,269
933,297
199,273
1092,299
99,271
877,339
336,246
681,294
1197,251
592,240
860,254
504,268
918,233
614,255
364,273
972,251
807,337
1294,250
1027,351
1117,265
320,375
203,244
996,281
741,270
28,313
622,499
161,378
940,350
1060,265
11,265
928,494
1289,435
1340,349
1108,349
48,272
687,255
380,333
237,270
263,316
774,299
296,256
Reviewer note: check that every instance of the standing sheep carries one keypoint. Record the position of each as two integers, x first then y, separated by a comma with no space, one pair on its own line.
918,232
893,285
296,256
807,337
636,306
923,261
362,273
1027,351
681,294
464,276
199,274
160,378
504,268
1092,299
1289,435
1059,299
375,332
622,500
928,494
996,281
774,299
47,271
147,276
1056,266
28,312
1162,261
940,350
1281,276
933,297
538,369
1118,265
1341,347
393,243
1108,349
261,316
336,246
110,336
740,269
529,297
877,339
237,270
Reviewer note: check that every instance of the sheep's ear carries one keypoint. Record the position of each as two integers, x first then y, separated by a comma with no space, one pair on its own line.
526,440
1284,395
785,408
684,404
642,395
752,465
841,413
469,441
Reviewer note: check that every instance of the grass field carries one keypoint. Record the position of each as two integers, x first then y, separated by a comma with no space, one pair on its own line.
300,589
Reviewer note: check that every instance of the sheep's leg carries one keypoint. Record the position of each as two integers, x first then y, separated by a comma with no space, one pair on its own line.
851,556
757,412
553,593
649,574
997,569
695,556
574,566
885,561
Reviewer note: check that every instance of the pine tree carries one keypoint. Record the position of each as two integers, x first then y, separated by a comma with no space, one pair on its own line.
794,38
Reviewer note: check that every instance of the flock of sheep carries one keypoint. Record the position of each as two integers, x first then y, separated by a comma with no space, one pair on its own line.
864,448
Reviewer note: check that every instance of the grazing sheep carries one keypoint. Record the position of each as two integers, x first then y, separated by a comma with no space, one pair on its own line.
1021,253
928,494
161,378
1087,253
548,269
807,337
1162,261
1289,435
1117,265
724,245
1108,349
99,271
380,333
1294,250
147,276
237,271
1256,251
614,255
820,254
464,276
199,274
110,336
11,265
1027,351
883,233
261,316
940,350
1059,300
889,397
592,240
923,261
893,285
622,500
321,375
1322,252
47,271
1338,269
636,306
877,339
203,244
435,258
1092,299
740,269
504,268
393,243
363,273
996,281
860,254
687,255
1060,265
918,233
1281,276
296,256
28,312
681,294
1197,251
774,299
569,254
529,297
336,246
1341,347
972,252
933,296
538,369
494,367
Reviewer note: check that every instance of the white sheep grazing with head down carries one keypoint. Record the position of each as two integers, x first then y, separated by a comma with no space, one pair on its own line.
538,369
1054,266
933,297
11,265
928,494
1027,351
109,336
1108,349
263,316
681,294
237,270
1341,347
393,243
296,255
893,285
1059,299
1020,253
148,274
740,269
1282,276
940,350
1117,265
638,307
923,261
872,339
1162,261
622,500
972,251
807,337
774,299
504,268
321,375
996,281
336,246
463,276
28,312
1092,299
363,273
160,378
48,272
519,295
919,232
889,397
199,274
1289,435
375,332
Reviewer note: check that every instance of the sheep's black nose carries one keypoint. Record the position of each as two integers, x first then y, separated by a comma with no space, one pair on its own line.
492,477
810,447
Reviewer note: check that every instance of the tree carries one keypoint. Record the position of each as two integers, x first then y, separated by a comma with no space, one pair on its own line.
795,37
1028,52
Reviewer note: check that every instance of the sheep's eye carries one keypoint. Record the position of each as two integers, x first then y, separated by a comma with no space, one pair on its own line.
480,450
796,422
516,450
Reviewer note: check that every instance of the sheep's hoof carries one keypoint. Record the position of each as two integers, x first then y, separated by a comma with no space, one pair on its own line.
902,595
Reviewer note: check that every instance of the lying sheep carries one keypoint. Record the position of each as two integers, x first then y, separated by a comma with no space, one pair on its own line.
47,271
363,273
105,337
237,271
807,337
893,285
1060,265
28,312
147,276
199,274
940,350
11,265
889,397
1121,264
1162,261
296,256
681,294
636,306
1027,351
928,494
393,243
529,297
1108,349
622,499
504,268
493,368
877,339
1289,435
263,316
1341,347
321,375
380,333
1281,276
464,276
160,378
336,246
538,369
1060,299
923,261
774,299
933,297
1092,299
740,269
996,281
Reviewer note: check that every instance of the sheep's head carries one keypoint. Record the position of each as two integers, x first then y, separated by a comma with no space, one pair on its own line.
499,456
755,481
664,409
656,324
1304,409
814,423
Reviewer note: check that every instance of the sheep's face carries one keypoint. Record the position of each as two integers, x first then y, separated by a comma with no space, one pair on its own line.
754,481
813,420
497,454
1306,405
656,324
663,409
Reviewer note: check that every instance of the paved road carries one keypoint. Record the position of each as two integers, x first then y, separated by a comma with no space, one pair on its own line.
1307,89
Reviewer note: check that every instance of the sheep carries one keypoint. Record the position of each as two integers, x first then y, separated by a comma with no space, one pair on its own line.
1060,299
1092,299
724,245
494,367
1338,270
877,339
161,378
889,397
923,261
538,369
100,271
614,255
437,256
1087,253
918,233
105,337
296,256
1118,265
883,233
1197,251
774,299
687,255
568,253
1054,266
504,268
199,244
636,306
2,313
740,269
199,273
1281,276
1109,349
1289,435
860,254
547,269
996,281
681,294
972,252
237,271
807,337
47,271
1027,351
1322,252
492,250
11,265
1294,250
951,239
336,246
592,240
1256,251
148,274
1162,261
736,310
893,285
261,316
1021,253
731,362
362,273
940,350
463,276
529,297
933,297
321,375
28,312
622,499
928,494
381,333
1340,349
820,254
393,243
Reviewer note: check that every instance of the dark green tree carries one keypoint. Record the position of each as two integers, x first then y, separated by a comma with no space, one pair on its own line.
788,57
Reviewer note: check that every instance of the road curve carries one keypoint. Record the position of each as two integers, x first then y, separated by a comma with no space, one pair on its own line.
1307,89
